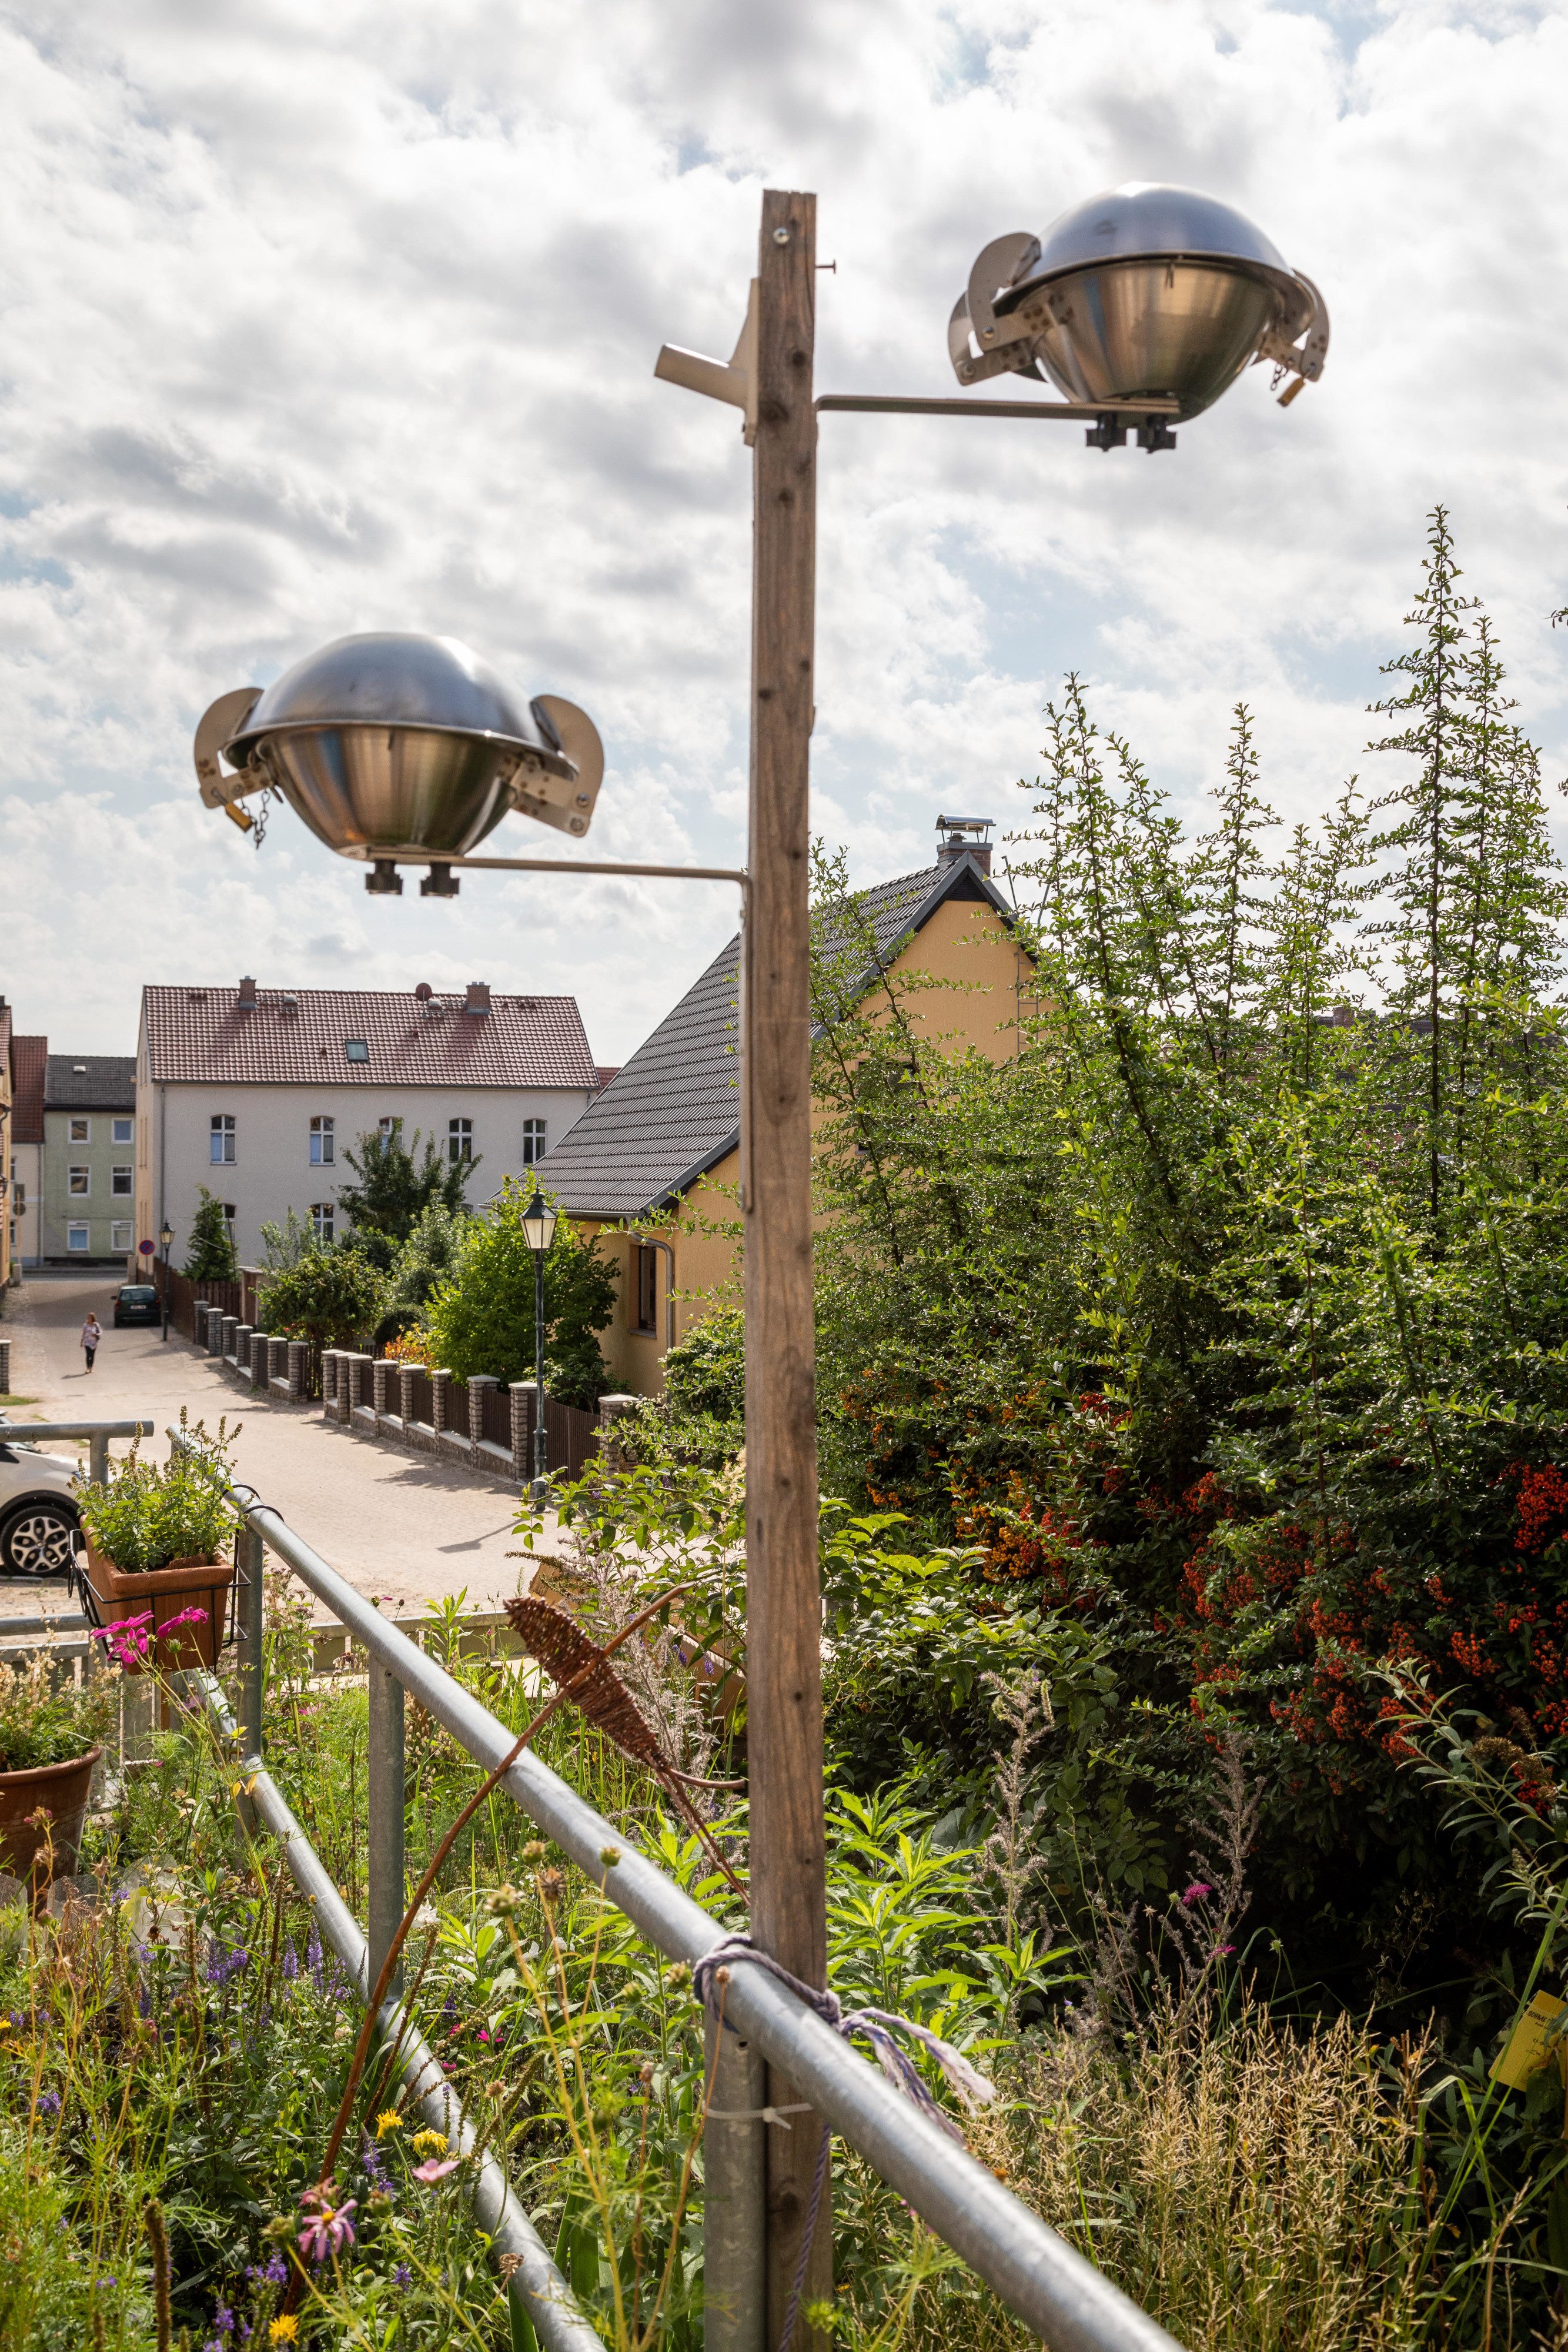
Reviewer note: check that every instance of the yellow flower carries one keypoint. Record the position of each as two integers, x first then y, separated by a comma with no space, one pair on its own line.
387,2120
431,2143
284,2330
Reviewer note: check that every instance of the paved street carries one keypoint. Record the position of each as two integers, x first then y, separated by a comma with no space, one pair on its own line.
394,1524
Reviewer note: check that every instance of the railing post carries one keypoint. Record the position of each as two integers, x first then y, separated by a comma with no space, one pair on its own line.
97,1458
252,1564
734,2196
383,1842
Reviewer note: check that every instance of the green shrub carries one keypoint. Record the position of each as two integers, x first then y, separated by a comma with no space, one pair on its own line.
481,1317
332,1298
46,1719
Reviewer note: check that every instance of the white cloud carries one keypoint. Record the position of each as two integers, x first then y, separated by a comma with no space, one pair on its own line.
325,319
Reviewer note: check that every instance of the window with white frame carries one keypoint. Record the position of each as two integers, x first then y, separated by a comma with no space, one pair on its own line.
533,1141
321,1143
79,1182
81,1130
77,1237
391,1124
119,1235
459,1139
220,1141
120,1130
123,1181
321,1220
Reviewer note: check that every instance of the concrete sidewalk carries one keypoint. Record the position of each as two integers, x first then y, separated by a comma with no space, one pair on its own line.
394,1524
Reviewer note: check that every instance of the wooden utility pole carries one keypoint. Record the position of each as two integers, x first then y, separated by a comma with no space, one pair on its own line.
784,1656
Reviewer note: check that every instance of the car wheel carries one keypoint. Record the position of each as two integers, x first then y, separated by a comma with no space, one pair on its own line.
37,1539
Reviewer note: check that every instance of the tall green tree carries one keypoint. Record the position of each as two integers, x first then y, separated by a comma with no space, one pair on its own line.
210,1257
481,1317
395,1187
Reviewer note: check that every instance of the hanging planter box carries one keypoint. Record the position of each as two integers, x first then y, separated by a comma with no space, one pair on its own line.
198,1583
62,1791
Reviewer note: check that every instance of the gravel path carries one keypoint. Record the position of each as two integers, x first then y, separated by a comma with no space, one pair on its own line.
392,1523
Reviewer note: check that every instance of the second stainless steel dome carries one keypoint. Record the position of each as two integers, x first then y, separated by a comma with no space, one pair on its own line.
394,745
1146,290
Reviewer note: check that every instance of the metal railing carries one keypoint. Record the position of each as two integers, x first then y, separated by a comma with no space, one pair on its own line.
1050,2286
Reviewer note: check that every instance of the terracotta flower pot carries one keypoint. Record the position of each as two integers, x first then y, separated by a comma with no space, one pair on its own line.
169,1592
62,1789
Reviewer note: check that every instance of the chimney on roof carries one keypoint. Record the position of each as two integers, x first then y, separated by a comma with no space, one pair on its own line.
965,835
248,1000
478,997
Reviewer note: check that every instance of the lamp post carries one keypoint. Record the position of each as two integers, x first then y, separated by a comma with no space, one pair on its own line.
1142,307
539,1229
166,1236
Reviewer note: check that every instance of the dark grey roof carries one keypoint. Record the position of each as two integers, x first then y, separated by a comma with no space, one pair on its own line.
90,1082
672,1112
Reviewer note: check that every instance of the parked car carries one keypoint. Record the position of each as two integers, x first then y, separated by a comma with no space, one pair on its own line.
136,1302
38,1510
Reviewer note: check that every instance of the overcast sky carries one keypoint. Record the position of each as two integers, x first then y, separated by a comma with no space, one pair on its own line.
320,318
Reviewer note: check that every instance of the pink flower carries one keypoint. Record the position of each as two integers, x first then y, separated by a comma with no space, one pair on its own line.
1220,1950
1197,1891
127,1637
185,1617
483,2035
329,2229
433,2172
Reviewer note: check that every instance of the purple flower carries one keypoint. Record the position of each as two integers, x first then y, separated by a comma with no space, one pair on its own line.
222,1966
47,2103
1198,1892
106,2280
1220,1950
313,1960
329,2229
402,2274
290,1962
277,2271
224,2320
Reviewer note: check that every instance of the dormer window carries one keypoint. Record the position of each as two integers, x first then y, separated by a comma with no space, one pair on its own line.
355,1049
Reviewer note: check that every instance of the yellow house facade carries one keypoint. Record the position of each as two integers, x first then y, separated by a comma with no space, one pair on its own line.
660,1143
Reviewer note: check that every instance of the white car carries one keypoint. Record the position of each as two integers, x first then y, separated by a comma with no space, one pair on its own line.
38,1510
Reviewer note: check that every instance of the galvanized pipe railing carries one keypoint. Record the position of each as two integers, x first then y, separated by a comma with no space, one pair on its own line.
1069,2303
97,1432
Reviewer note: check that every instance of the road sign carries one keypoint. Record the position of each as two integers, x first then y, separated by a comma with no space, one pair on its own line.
146,1249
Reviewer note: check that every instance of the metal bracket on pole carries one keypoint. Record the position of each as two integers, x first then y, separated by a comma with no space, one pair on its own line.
736,382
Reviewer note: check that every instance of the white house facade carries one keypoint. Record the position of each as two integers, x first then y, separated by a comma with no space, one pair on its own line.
258,1094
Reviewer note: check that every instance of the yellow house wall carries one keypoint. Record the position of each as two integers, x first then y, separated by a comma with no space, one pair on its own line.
986,986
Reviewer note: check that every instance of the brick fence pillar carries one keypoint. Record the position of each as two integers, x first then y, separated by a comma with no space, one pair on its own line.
299,1355
259,1360
276,1360
5,1367
612,1409
242,1348
380,1388
438,1410
357,1383
214,1330
405,1395
477,1384
330,1360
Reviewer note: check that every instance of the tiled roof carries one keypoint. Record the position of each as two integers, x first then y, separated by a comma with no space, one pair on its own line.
28,1056
90,1082
672,1111
298,1036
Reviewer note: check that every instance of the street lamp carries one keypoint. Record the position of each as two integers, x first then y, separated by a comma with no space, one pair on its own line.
539,1230
1142,305
166,1236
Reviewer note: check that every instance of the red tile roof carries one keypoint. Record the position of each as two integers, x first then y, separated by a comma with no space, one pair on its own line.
29,1056
298,1036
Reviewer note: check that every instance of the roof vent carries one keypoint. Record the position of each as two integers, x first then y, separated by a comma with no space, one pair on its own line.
965,836
248,1000
195,995
478,997
79,1069
423,993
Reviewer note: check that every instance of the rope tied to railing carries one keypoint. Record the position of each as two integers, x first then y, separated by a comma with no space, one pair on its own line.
710,1975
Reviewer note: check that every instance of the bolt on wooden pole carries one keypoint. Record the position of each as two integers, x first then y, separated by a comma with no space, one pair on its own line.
784,1689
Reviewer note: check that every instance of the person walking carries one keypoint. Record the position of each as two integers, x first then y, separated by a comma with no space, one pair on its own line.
92,1333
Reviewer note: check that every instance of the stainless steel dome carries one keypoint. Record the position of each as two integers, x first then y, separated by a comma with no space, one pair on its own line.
394,745
1143,291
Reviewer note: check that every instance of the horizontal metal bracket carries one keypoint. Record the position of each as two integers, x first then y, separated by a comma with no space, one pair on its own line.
555,866
1065,412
